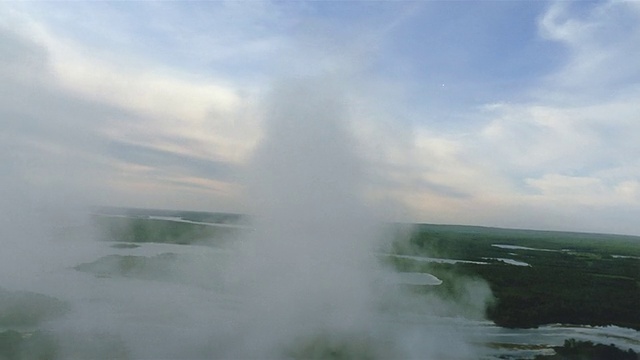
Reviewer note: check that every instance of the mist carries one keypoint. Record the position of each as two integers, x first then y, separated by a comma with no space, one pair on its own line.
311,284
309,262
305,281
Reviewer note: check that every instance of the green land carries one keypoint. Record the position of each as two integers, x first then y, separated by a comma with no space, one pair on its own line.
573,278
566,278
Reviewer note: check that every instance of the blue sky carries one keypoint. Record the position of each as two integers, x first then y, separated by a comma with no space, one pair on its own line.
518,114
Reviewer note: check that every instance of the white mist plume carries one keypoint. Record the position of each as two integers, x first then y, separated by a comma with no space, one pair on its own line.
309,264
309,280
304,284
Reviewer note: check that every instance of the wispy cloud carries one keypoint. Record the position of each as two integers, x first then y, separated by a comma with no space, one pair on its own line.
521,114
71,120
563,157
602,43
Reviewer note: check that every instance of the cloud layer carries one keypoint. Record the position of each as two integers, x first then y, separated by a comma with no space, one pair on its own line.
537,128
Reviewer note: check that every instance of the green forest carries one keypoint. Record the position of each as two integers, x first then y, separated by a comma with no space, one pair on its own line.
572,278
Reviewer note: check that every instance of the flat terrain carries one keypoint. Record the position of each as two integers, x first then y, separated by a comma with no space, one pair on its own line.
537,277
568,278
547,287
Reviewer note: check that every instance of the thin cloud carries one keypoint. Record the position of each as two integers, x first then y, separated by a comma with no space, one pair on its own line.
58,140
525,132
171,161
603,43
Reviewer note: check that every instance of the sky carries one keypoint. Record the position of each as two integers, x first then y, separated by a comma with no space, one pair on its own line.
522,114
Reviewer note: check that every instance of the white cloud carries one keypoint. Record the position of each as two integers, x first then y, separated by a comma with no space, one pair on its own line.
187,92
568,158
603,43
168,104
65,124
536,138
574,188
